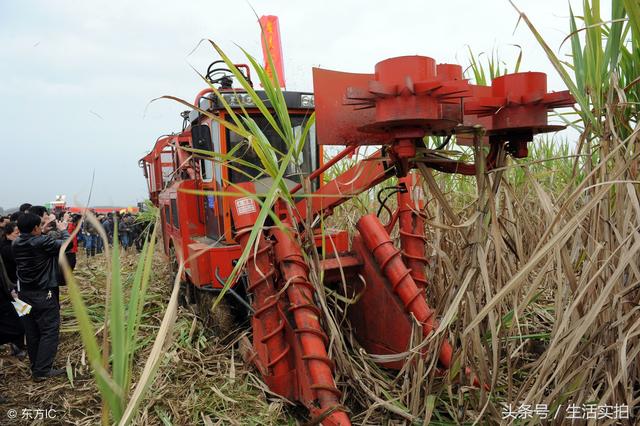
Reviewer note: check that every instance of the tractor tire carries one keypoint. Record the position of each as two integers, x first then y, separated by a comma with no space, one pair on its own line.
183,301
185,296
173,270
219,322
173,264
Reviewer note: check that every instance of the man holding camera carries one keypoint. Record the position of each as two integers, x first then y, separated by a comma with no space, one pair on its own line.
37,267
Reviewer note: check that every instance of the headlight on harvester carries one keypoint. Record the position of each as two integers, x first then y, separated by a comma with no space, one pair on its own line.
237,99
307,101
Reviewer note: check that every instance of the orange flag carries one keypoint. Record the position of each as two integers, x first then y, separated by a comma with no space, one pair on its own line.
271,44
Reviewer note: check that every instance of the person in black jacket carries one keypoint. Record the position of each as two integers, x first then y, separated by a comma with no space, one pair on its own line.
11,330
36,258
108,227
7,331
11,232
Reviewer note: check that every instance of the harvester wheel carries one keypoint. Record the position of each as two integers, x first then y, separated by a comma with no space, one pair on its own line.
219,321
173,264
185,297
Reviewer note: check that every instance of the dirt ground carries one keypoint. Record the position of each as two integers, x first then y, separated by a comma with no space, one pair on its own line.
60,400
201,380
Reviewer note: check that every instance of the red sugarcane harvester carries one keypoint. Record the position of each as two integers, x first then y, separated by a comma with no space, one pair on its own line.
406,99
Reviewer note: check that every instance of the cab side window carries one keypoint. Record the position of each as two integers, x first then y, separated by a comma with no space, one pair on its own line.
174,213
207,140
167,214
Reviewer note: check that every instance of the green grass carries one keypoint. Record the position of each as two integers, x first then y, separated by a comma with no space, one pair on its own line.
112,361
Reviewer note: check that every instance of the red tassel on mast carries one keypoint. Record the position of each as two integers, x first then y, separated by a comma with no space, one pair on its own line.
271,44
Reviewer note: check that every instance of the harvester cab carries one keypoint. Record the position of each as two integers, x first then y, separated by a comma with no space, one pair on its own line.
406,99
194,159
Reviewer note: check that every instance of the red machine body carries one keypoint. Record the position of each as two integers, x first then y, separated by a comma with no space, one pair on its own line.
404,100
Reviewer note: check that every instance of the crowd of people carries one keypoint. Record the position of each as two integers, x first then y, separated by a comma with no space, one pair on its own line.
31,241
130,233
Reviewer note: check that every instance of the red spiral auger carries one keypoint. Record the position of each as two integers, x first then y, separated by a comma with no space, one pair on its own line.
390,261
379,243
412,234
300,291
260,275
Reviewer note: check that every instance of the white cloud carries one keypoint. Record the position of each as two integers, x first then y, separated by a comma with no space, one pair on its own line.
63,59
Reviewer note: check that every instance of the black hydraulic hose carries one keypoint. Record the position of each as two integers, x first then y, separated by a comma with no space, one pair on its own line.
394,190
444,143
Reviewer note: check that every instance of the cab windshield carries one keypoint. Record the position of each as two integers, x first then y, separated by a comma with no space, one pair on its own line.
303,165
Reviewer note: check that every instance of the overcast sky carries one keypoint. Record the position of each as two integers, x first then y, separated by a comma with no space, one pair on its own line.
76,77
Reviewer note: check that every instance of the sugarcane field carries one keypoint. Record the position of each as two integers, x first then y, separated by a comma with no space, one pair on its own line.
320,213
